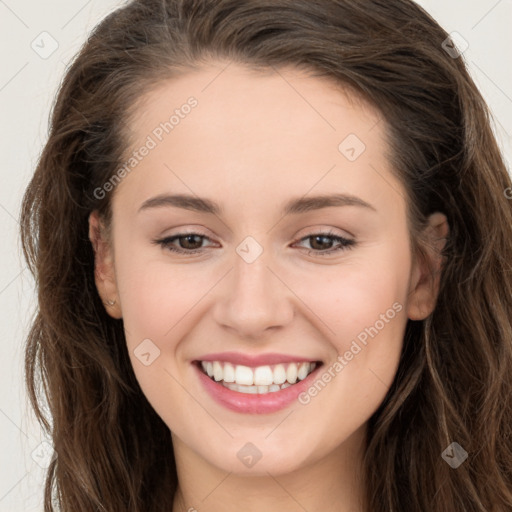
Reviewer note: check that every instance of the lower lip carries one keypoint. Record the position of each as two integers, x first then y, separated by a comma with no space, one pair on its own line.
254,403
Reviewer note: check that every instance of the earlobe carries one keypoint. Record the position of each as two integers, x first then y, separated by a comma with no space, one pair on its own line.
104,275
426,272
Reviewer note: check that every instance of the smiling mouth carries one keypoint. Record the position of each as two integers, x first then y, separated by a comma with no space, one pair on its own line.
257,380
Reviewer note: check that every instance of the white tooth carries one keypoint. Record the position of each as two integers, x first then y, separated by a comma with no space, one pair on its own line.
263,376
303,371
279,374
203,364
257,380
209,368
230,385
291,373
254,389
217,371
244,375
251,390
229,372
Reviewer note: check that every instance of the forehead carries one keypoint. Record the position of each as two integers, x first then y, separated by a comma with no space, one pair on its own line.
257,133
247,96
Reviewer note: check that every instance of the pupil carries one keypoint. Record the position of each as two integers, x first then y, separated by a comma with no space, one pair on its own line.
324,238
188,239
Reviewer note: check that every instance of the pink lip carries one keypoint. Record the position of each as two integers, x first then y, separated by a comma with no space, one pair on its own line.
253,361
253,404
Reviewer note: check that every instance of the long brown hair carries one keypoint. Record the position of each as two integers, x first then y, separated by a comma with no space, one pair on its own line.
454,381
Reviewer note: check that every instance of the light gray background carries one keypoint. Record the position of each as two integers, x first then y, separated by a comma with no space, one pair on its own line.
27,87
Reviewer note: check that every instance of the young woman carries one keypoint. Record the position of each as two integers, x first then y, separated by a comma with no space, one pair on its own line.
272,245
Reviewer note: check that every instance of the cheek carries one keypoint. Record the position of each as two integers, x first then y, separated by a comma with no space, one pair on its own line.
157,304
154,294
363,305
369,322
359,293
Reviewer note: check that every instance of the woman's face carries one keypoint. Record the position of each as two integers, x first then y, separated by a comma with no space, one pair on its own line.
271,169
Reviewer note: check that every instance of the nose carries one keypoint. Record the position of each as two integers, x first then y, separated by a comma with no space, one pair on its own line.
254,299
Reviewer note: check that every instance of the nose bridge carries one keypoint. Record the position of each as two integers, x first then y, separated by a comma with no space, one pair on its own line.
251,277
255,299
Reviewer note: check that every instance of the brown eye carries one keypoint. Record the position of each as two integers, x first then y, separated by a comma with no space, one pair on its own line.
322,243
183,243
190,242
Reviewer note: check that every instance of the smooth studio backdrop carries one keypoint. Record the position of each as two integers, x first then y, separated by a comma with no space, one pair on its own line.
38,41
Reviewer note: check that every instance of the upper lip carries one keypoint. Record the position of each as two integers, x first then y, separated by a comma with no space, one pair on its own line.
237,358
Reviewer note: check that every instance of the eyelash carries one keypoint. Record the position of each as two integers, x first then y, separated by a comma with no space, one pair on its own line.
345,243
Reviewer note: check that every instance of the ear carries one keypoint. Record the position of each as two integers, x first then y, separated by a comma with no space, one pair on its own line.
104,274
426,271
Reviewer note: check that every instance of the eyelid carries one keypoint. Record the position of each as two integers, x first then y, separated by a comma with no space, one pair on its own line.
192,229
346,243
315,229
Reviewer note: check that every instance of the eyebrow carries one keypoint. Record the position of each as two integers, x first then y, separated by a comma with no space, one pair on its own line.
294,206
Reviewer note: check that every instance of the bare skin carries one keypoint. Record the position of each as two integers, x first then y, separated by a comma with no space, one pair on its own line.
254,142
